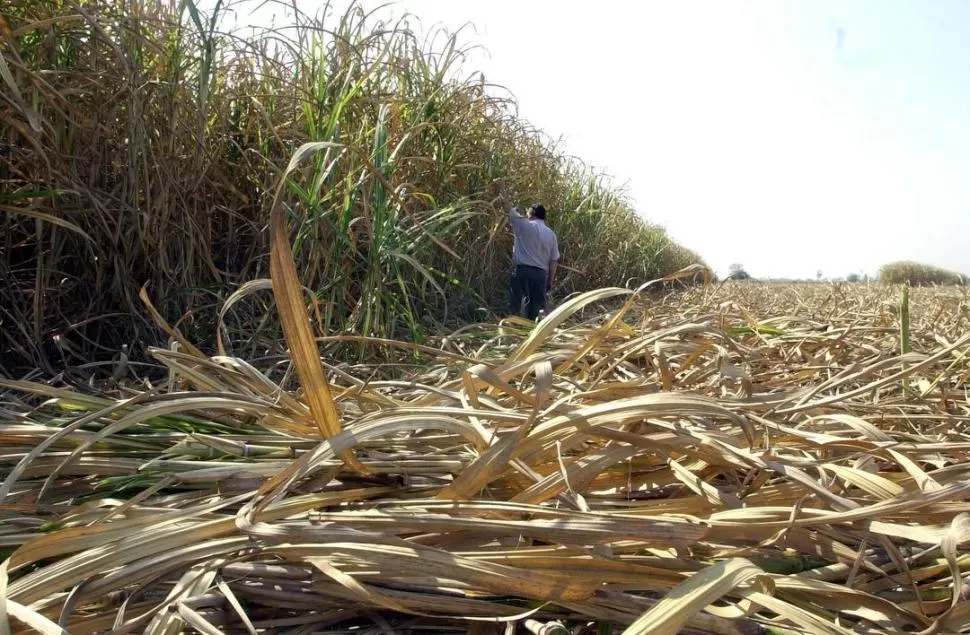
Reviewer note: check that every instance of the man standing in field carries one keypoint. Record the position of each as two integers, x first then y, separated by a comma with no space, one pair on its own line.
535,255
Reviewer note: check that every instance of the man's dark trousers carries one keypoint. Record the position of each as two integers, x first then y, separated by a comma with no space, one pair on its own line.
528,283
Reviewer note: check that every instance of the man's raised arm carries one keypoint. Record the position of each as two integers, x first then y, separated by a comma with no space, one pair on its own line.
514,216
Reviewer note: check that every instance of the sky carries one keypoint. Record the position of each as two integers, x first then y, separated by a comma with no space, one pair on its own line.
789,136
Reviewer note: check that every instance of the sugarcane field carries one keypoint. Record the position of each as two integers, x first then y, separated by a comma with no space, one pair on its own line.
304,328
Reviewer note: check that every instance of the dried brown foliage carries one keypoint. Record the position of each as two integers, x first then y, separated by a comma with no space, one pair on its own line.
743,449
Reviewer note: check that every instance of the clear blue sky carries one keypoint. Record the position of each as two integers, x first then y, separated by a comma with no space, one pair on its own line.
789,136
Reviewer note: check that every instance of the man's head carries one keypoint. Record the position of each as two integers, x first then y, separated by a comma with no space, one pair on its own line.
537,211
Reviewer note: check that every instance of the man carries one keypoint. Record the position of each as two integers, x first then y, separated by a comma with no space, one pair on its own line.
535,255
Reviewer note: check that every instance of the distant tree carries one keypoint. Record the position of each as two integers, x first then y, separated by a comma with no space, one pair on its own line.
737,272
853,277
919,274
818,275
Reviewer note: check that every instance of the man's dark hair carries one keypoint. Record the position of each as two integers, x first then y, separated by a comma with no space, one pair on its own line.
539,211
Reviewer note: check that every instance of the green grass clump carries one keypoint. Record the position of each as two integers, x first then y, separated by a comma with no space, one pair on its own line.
918,274
140,143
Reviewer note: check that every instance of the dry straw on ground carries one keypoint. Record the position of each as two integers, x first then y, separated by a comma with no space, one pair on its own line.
750,450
